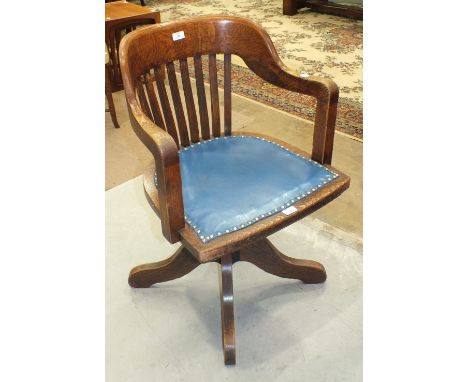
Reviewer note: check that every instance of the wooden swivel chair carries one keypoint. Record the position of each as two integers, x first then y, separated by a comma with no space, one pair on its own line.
217,192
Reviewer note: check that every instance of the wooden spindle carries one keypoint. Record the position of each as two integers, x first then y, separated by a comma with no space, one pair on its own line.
166,107
192,114
215,118
153,101
179,110
143,100
202,107
227,95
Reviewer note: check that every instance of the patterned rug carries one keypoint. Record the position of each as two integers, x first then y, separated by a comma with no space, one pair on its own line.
322,45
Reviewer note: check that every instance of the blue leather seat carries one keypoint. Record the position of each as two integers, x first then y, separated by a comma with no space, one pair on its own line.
231,182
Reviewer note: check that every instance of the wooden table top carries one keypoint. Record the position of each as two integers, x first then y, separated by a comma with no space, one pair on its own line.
119,10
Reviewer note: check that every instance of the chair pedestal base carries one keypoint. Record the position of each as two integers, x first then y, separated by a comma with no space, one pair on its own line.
262,253
226,294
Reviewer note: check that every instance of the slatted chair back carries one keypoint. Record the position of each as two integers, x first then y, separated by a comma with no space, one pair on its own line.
184,43
165,126
186,120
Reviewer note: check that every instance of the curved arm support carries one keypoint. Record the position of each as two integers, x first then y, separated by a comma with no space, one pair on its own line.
166,157
271,69
324,90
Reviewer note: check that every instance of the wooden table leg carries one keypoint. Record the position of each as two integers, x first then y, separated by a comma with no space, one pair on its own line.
110,100
227,310
289,7
266,256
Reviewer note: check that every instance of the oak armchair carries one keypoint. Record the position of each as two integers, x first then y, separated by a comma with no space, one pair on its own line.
217,192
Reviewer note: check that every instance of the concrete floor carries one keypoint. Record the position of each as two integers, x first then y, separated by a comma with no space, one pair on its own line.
285,330
126,157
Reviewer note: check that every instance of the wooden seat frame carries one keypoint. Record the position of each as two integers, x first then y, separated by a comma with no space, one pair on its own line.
143,55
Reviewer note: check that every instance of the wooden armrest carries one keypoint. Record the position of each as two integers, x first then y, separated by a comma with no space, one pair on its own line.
271,69
166,157
326,92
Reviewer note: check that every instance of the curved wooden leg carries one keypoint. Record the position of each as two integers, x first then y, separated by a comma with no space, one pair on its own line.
265,256
178,265
227,310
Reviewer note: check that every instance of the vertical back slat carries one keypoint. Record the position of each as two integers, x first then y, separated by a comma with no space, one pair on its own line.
143,101
227,95
215,119
153,101
203,109
179,110
192,114
166,107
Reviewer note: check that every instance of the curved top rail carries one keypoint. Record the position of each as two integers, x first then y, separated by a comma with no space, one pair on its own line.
212,35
